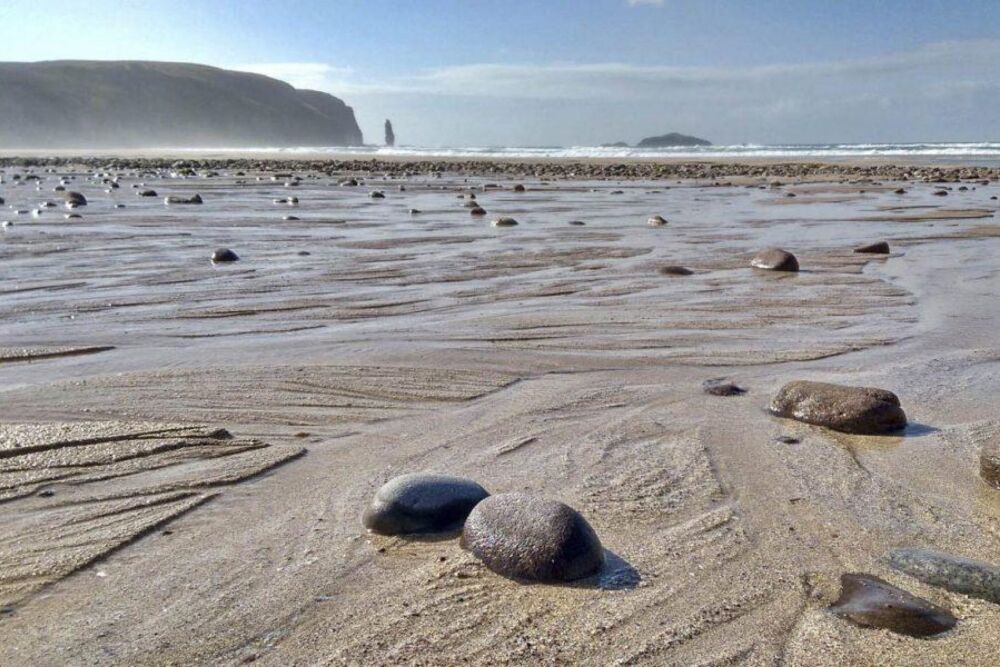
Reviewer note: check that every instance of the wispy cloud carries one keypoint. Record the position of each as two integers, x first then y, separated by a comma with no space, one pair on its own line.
636,3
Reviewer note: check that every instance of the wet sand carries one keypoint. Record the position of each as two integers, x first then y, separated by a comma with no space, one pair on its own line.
546,357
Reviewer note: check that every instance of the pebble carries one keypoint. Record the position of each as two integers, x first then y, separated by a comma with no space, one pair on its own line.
146,193
656,221
954,573
196,199
422,503
877,248
527,537
775,259
477,210
224,255
675,271
870,602
861,410
504,222
720,387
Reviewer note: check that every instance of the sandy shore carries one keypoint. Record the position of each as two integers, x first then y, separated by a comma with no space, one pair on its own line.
186,448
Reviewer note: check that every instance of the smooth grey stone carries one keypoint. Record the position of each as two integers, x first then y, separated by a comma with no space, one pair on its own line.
527,537
422,503
954,573
224,255
504,222
775,259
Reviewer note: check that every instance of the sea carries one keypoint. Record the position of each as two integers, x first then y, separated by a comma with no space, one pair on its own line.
986,153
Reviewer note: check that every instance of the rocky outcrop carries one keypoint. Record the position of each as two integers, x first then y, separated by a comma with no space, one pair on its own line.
129,104
672,139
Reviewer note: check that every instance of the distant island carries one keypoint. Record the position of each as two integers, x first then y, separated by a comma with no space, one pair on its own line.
142,104
663,141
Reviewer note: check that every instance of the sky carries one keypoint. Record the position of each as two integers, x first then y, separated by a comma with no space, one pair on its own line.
575,72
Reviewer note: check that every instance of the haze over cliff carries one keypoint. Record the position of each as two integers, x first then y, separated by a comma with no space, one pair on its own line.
133,104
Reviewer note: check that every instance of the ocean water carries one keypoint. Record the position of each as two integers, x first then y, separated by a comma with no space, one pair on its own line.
985,153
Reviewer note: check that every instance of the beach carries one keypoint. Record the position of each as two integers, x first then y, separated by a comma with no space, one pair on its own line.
188,446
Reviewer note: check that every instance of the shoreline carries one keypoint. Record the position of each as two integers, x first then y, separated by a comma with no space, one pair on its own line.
541,167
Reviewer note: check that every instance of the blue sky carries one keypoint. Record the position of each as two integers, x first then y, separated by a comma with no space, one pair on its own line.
542,72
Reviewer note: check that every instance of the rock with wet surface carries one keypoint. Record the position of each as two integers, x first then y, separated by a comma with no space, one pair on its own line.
504,222
675,271
527,537
656,221
775,259
954,573
422,503
74,199
870,602
477,210
224,255
859,410
146,193
877,248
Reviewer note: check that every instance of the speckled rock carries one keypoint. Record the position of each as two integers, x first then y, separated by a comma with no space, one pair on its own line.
224,255
861,410
422,503
775,259
954,573
870,602
877,248
522,536
722,387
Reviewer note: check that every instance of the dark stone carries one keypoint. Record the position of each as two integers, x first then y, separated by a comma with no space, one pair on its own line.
775,259
349,183
146,193
290,218
900,191
940,193
862,410
877,248
675,271
196,199
224,255
720,387
73,216
656,221
74,199
526,537
477,210
422,503
787,440
414,211
577,223
870,602
953,573
376,195
989,463
504,222
518,188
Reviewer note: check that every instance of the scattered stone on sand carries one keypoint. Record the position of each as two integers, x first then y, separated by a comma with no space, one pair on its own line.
940,193
989,463
415,211
74,199
877,248
146,193
900,191
522,536
224,255
477,210
290,218
173,199
656,221
376,195
519,188
775,259
787,440
72,216
860,410
722,387
422,503
675,271
954,573
348,183
870,602
119,205
577,223
504,222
